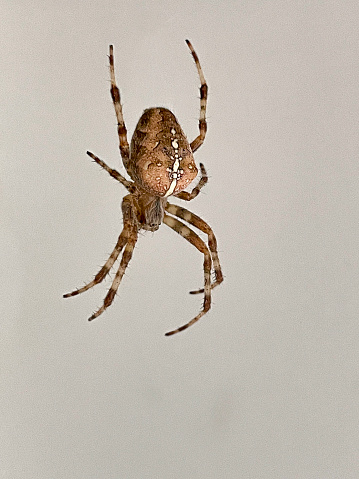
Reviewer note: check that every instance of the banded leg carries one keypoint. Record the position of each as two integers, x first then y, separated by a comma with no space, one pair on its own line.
197,222
101,275
114,173
197,142
196,241
184,195
126,258
121,242
121,127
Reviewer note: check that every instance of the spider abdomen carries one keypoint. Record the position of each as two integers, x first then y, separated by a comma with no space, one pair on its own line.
161,160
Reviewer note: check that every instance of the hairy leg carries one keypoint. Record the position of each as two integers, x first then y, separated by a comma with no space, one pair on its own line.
127,212
121,127
101,275
196,241
197,142
126,257
197,222
114,173
184,195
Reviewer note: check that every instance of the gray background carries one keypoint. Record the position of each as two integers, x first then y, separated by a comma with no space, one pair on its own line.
265,386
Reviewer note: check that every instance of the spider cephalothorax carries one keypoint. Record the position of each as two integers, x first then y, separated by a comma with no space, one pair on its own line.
160,163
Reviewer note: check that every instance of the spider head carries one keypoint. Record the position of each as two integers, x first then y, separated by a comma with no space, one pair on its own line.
150,211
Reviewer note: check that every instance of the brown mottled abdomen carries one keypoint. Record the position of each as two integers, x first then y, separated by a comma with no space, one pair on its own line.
161,159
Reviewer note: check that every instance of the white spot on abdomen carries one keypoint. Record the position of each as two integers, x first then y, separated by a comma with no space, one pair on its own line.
176,165
171,188
174,176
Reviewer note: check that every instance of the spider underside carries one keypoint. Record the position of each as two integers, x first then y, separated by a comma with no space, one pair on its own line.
160,164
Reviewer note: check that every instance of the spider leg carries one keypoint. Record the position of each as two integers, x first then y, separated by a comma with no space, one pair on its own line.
184,195
197,142
126,257
196,241
114,173
101,275
121,127
196,221
121,242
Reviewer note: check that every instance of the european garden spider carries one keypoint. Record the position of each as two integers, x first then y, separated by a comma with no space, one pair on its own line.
160,162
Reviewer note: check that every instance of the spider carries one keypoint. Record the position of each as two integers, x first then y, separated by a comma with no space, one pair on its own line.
160,163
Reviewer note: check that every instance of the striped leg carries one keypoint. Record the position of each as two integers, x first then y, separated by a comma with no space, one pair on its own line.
184,195
121,127
197,142
196,241
114,173
126,257
101,275
197,222
122,240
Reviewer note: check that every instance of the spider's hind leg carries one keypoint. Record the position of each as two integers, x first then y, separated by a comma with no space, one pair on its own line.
197,142
121,127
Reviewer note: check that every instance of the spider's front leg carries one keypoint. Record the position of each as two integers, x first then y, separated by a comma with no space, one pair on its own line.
126,258
106,268
196,241
197,222
127,240
129,220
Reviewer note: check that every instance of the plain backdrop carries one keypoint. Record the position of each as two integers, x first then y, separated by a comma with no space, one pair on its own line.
267,384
